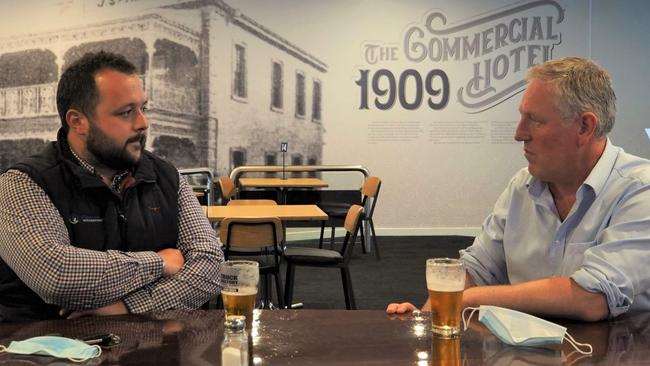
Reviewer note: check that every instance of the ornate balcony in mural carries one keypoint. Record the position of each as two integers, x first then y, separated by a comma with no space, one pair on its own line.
28,101
166,96
40,100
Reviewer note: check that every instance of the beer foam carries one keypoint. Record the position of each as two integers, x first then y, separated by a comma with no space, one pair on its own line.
242,291
445,284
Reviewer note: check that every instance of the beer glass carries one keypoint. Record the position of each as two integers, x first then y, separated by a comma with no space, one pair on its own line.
239,281
445,351
445,282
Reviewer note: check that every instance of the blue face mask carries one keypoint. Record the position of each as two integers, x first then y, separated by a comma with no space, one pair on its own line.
521,329
59,347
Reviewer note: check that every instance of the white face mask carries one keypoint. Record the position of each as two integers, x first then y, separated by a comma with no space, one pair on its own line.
60,347
521,329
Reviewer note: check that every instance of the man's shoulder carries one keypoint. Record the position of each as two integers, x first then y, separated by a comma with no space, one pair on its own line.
38,165
521,179
158,161
632,167
42,160
155,167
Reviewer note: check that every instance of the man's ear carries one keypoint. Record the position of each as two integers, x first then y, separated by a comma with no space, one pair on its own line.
587,123
77,121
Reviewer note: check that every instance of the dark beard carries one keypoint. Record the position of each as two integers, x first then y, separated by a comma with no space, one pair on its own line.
108,153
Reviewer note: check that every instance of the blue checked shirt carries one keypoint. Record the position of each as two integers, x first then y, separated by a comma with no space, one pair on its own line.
603,244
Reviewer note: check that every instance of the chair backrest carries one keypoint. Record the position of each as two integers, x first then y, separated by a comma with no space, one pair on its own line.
250,232
351,225
371,186
253,202
370,189
227,186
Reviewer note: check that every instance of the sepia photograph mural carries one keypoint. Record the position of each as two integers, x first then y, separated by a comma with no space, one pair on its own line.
423,94
202,63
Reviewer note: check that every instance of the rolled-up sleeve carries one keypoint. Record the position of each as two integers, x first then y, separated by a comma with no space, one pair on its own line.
617,265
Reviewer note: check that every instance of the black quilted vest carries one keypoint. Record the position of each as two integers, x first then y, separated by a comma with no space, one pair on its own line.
143,219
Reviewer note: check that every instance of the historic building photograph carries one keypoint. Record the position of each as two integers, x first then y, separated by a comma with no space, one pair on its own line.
223,90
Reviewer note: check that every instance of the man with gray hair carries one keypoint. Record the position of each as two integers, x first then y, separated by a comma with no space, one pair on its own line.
569,236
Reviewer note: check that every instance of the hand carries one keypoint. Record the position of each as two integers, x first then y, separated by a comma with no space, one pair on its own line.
172,327
402,308
112,309
173,259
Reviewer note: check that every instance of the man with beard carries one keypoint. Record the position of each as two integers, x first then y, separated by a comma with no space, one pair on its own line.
94,224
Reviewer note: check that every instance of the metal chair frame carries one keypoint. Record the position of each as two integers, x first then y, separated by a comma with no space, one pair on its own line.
353,221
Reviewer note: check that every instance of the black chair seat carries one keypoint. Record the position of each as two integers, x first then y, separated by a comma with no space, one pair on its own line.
335,209
312,255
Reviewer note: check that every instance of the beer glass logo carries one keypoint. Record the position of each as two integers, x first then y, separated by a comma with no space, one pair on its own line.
229,281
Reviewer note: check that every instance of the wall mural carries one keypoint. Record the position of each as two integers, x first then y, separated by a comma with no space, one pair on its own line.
424,94
196,60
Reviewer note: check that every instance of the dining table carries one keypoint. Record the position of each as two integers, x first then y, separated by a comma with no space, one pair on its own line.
282,185
283,212
329,337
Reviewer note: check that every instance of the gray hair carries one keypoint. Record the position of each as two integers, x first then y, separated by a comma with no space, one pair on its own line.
580,86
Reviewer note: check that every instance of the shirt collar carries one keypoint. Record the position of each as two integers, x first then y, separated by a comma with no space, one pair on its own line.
118,178
596,178
603,168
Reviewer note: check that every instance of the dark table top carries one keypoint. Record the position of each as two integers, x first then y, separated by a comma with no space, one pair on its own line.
330,337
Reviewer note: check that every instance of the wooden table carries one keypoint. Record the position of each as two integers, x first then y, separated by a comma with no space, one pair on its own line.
330,337
283,212
282,183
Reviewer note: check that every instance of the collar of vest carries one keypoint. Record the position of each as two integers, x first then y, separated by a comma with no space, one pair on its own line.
142,172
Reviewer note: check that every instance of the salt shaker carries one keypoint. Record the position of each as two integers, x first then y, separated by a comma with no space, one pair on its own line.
234,349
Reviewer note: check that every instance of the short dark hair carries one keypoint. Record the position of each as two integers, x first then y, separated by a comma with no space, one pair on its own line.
77,88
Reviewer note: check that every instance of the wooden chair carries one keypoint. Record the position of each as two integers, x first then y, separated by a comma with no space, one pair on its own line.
229,194
259,237
337,211
315,257
227,188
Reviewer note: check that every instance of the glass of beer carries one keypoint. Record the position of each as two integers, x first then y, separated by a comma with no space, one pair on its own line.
239,281
445,351
445,282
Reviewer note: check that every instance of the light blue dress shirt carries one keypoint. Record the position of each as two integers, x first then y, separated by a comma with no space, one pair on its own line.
603,244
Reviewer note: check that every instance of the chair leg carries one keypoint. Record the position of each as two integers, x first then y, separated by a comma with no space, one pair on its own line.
333,236
347,289
363,239
322,233
374,239
267,291
278,290
261,291
288,286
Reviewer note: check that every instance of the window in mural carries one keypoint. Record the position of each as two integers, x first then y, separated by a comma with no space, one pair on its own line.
239,80
296,159
270,159
312,161
237,158
316,102
300,94
276,86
